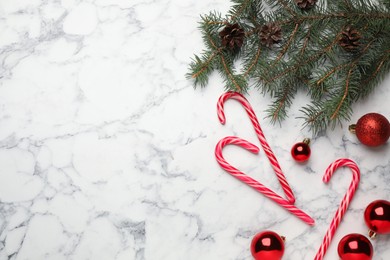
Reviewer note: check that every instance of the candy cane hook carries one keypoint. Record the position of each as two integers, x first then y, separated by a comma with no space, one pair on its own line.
344,203
252,182
255,122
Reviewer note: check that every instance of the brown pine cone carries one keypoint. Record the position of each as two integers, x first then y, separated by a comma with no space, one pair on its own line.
305,4
349,39
270,34
232,36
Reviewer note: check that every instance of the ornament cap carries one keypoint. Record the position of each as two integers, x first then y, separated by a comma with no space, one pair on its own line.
371,234
352,128
306,141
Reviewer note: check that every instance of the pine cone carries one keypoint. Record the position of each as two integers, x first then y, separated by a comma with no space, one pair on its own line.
305,4
270,34
349,39
232,36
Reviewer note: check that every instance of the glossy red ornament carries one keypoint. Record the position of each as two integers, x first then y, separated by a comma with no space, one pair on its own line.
355,247
377,217
300,152
372,129
267,245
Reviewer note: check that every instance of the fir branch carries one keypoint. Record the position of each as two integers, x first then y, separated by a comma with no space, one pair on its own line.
305,41
341,66
212,43
286,46
348,4
380,65
344,15
287,7
338,51
347,81
315,117
238,9
253,62
346,89
205,65
329,73
302,63
230,75
277,111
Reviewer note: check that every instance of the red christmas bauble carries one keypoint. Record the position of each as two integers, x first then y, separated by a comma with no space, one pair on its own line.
355,247
372,129
377,217
267,245
300,152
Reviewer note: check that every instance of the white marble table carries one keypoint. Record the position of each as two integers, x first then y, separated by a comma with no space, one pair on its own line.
106,150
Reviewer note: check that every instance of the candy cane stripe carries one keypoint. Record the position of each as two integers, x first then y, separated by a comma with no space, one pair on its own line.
344,203
232,140
267,149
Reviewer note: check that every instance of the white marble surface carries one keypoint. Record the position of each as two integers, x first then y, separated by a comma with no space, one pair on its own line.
106,150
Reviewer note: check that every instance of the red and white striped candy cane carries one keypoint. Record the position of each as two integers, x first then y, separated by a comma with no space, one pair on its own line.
267,149
252,182
344,203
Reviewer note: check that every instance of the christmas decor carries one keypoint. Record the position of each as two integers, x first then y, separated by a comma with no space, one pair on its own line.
337,51
267,245
259,132
377,217
301,151
372,129
232,140
344,203
232,36
305,4
355,247
349,39
287,204
270,34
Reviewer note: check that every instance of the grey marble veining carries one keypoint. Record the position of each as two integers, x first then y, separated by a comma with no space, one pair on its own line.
107,151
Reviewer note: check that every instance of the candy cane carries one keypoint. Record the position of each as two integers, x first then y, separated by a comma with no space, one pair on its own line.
252,182
267,149
344,203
